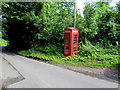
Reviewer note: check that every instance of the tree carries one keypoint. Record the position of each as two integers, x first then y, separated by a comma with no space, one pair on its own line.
90,26
107,27
33,24
21,34
100,24
56,17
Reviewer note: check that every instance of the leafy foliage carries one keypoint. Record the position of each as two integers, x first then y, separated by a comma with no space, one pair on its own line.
36,23
17,23
3,42
98,58
100,24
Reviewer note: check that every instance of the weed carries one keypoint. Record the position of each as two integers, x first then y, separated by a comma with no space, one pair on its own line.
3,42
87,56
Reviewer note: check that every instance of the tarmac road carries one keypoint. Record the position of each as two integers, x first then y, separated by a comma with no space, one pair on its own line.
28,73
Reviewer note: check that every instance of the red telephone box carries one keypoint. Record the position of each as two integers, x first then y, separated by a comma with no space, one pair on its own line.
70,41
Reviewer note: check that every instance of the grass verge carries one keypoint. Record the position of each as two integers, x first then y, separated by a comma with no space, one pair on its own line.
3,42
92,56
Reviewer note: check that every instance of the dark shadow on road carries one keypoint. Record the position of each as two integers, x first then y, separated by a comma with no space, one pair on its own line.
3,50
9,78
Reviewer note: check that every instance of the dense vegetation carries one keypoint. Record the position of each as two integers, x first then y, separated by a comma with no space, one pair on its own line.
3,42
36,30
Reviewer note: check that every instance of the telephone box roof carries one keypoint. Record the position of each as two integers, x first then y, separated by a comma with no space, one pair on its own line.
72,29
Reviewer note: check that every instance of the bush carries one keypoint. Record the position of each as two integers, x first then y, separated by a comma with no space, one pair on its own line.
3,42
50,49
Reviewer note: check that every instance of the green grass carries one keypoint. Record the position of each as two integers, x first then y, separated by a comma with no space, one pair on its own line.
92,56
3,42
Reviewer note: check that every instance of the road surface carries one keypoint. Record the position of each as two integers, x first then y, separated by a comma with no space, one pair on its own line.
28,73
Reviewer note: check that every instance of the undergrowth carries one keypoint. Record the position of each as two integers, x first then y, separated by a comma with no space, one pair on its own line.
3,42
88,55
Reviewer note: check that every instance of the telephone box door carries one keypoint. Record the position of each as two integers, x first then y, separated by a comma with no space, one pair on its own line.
75,43
67,44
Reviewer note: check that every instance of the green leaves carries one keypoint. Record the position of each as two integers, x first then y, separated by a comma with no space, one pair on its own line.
22,23
54,19
100,23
